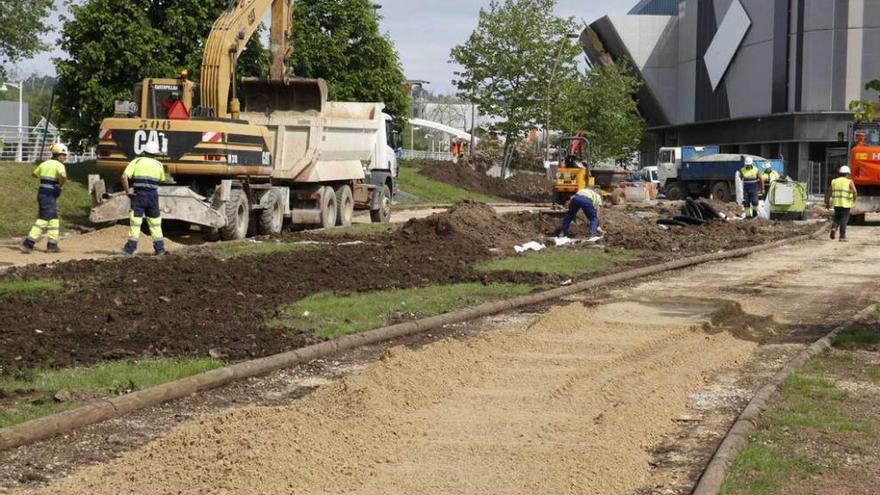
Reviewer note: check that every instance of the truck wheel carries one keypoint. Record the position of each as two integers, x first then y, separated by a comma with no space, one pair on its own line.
721,192
238,214
271,220
383,214
328,208
344,206
618,197
675,191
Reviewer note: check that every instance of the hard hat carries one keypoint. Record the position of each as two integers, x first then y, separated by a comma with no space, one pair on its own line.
768,166
58,149
844,170
749,161
151,148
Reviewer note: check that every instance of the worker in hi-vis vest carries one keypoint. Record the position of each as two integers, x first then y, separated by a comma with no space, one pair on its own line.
753,187
141,180
53,176
590,202
842,197
769,176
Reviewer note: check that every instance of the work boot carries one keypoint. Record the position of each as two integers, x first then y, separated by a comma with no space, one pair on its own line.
53,248
162,253
843,240
833,234
26,247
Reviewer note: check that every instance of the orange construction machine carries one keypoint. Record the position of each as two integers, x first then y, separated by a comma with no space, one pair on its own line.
573,173
865,165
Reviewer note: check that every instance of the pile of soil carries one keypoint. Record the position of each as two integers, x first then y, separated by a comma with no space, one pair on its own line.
627,230
471,220
522,187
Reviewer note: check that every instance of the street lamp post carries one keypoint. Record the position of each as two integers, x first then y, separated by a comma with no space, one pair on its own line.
549,89
4,87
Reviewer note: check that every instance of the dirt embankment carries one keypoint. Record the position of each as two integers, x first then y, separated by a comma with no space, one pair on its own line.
522,187
198,305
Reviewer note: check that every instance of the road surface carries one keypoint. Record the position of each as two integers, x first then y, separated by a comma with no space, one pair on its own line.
572,402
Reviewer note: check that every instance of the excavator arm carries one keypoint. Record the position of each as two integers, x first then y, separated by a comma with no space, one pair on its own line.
228,38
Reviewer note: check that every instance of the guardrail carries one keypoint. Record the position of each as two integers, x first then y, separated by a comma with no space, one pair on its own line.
427,155
31,144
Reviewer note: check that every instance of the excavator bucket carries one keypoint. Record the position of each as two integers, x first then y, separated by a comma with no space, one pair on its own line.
292,95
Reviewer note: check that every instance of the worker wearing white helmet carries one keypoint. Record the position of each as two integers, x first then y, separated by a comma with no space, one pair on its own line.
141,180
842,197
753,187
53,176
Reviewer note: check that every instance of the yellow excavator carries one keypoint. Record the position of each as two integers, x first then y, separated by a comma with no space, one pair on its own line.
250,158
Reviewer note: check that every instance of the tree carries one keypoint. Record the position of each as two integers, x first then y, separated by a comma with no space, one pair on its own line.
113,44
339,40
21,26
601,104
514,63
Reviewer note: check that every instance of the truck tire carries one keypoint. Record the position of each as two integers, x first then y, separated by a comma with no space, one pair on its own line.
721,192
238,215
270,221
383,214
675,191
328,207
344,206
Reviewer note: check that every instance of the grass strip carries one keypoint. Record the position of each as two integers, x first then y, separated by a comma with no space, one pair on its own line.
230,250
37,387
35,286
813,424
333,315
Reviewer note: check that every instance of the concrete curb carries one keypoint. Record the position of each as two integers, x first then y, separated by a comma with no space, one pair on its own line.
49,426
738,437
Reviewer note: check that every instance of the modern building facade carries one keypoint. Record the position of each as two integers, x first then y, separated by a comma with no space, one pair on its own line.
766,77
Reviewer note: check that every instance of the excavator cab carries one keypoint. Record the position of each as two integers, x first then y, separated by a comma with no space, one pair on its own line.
171,99
573,174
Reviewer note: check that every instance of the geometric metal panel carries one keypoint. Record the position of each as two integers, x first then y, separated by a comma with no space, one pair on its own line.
728,38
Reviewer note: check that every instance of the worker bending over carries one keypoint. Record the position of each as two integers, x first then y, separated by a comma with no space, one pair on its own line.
842,196
590,202
753,187
769,176
141,180
53,176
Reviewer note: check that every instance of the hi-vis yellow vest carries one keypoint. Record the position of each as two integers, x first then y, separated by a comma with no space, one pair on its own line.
841,194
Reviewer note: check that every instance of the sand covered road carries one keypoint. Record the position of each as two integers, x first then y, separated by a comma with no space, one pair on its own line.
571,403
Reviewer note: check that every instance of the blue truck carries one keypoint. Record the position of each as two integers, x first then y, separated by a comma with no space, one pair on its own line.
711,175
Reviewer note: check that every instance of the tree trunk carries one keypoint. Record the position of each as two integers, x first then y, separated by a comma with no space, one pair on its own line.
507,156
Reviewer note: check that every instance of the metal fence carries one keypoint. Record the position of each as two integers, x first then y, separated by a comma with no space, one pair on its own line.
439,156
31,144
821,173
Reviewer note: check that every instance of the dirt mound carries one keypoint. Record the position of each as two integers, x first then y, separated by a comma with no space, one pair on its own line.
522,187
471,222
627,230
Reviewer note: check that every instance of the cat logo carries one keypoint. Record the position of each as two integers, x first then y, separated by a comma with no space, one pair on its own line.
141,138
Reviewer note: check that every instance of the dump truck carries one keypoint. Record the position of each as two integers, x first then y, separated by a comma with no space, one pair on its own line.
249,156
713,175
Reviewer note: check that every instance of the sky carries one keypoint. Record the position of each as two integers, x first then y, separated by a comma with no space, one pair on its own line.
424,32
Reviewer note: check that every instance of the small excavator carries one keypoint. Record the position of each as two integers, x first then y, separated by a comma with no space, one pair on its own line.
573,174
